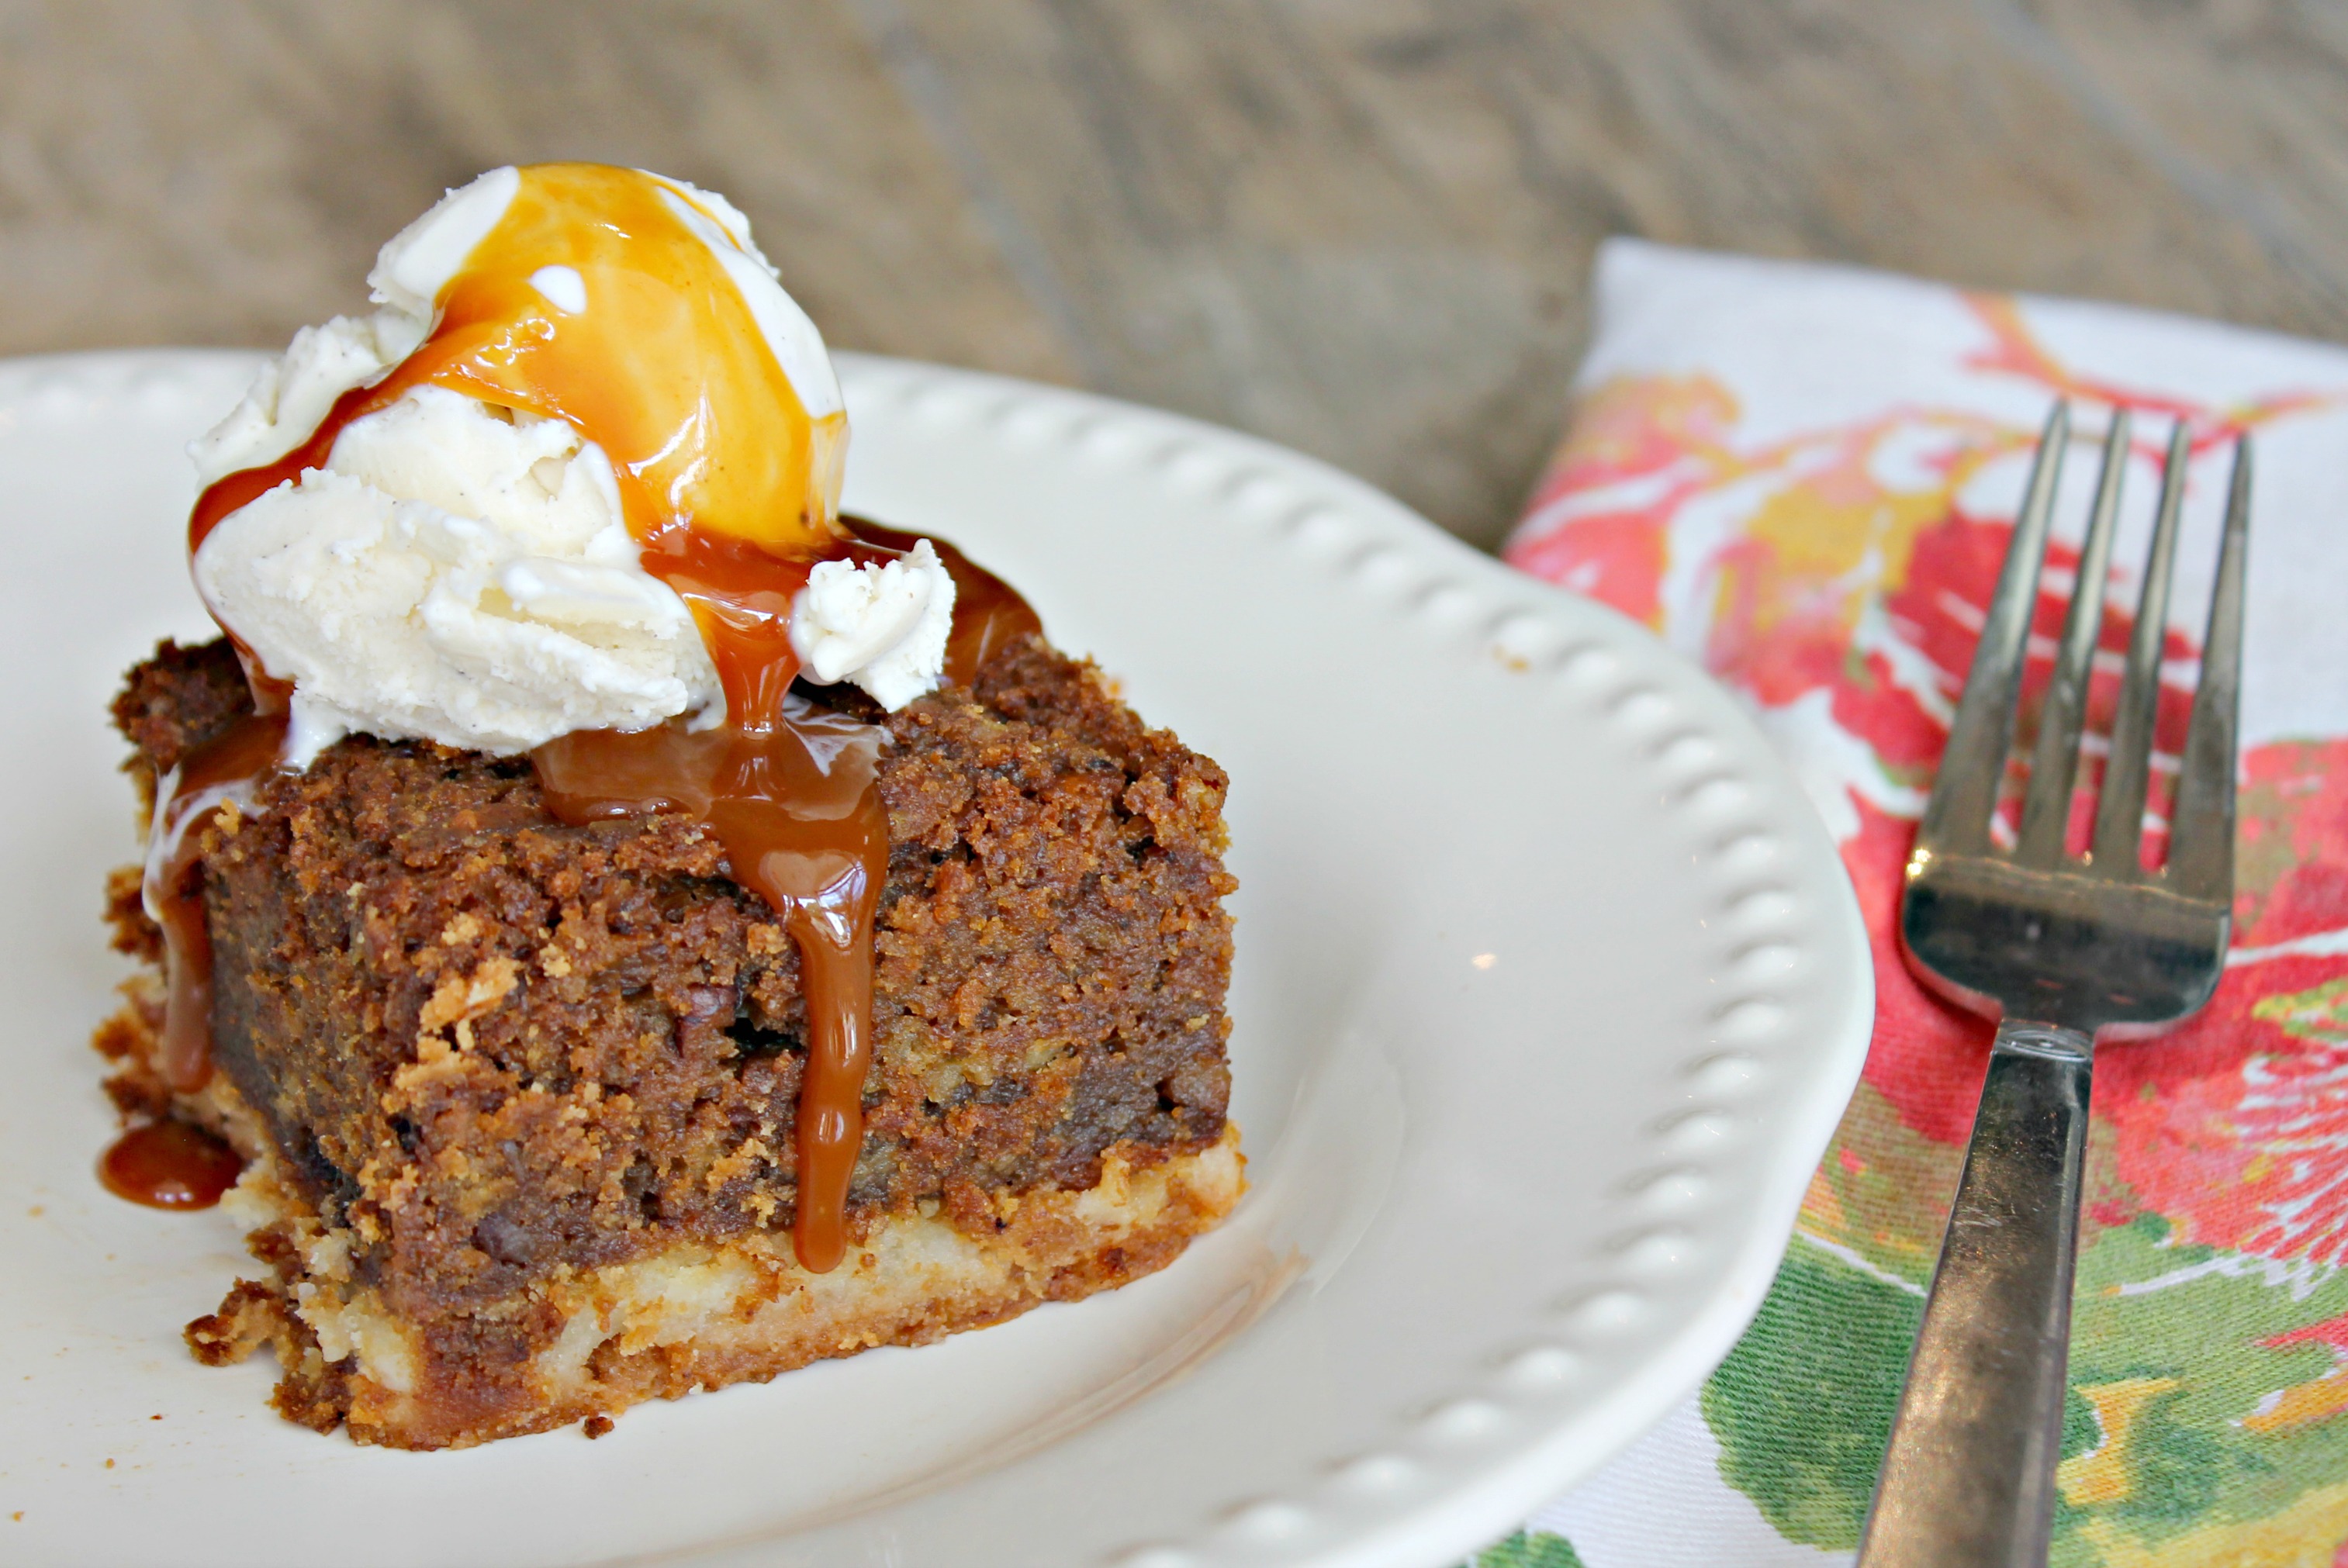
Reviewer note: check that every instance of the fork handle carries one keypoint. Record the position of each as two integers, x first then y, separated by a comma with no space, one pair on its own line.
1970,1479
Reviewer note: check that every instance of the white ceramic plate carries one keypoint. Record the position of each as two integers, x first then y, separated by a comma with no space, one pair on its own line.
1549,990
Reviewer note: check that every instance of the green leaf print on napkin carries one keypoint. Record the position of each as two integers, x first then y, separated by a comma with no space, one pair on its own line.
2200,1427
1529,1549
1802,1405
2320,1015
2217,1438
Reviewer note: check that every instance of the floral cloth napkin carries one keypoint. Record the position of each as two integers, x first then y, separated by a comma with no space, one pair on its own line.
1804,478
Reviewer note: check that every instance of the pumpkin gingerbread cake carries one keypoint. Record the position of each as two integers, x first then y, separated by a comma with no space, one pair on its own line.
638,930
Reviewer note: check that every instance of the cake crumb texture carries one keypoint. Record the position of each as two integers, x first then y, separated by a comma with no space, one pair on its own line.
520,1095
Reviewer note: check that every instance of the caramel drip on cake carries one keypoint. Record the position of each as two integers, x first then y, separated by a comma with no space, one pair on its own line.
727,486
791,793
223,771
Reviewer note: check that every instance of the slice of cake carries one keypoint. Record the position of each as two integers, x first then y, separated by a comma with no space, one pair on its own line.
641,932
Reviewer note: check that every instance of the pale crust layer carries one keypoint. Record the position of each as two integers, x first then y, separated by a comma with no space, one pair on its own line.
697,1316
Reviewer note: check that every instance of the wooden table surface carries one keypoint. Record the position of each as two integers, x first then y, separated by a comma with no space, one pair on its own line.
1361,227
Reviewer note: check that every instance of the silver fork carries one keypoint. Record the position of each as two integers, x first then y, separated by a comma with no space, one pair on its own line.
2059,949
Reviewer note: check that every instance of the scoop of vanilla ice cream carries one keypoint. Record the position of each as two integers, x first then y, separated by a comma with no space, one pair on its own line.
462,573
883,627
294,391
456,573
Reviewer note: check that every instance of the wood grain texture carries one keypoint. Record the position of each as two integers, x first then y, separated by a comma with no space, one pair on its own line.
1361,227
222,173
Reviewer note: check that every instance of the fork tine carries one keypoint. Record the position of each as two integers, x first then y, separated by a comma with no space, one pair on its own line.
2201,827
2055,761
2119,816
1956,816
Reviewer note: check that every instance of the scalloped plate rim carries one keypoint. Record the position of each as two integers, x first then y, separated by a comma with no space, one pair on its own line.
1466,1509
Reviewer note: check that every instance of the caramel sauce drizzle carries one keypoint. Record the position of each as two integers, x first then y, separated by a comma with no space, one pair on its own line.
729,488
791,793
224,770
667,369
169,1166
